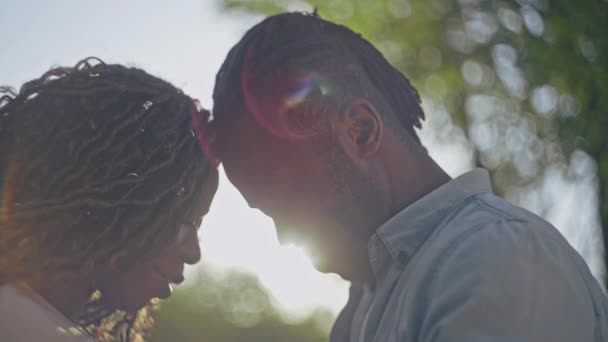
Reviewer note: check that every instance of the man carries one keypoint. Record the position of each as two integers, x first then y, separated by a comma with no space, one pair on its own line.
317,130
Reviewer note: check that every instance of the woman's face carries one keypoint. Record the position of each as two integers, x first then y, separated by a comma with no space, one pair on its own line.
133,288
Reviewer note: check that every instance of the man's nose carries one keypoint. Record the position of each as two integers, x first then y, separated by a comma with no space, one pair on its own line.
189,247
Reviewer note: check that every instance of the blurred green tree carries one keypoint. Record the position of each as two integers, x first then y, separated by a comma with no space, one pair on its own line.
234,307
526,80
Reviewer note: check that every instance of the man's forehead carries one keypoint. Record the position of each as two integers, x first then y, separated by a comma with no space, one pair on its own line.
231,131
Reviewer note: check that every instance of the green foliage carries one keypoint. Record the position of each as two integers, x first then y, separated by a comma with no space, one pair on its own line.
526,80
231,307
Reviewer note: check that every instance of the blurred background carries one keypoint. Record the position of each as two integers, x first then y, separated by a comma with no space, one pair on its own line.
517,87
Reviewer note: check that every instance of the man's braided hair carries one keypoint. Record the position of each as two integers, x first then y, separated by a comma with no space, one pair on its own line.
96,161
343,64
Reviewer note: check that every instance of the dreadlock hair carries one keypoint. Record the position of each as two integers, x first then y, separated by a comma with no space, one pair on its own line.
96,161
340,62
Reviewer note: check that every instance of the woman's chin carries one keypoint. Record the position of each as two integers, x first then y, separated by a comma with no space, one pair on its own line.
165,293
134,304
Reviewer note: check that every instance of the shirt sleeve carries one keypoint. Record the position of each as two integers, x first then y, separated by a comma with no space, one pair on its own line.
508,281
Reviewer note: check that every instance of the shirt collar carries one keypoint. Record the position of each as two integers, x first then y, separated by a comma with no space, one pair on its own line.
400,237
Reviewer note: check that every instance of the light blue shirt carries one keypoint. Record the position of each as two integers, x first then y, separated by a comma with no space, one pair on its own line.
463,265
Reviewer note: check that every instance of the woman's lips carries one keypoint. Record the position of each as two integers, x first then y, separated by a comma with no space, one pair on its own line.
177,280
174,279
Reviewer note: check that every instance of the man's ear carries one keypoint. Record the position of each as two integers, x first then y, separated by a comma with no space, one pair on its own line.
360,128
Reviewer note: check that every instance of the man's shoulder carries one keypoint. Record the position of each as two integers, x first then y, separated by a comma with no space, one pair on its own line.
487,207
486,233
486,213
491,259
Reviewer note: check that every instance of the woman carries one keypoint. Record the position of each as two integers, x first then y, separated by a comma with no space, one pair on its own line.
102,188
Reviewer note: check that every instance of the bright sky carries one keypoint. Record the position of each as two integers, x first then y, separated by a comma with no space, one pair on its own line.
185,42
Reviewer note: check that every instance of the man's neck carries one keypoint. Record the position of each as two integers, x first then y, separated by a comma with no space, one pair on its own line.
418,182
410,177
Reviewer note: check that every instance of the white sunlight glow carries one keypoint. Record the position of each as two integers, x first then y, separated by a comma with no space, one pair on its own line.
235,236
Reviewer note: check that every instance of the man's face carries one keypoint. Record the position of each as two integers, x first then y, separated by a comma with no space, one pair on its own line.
310,187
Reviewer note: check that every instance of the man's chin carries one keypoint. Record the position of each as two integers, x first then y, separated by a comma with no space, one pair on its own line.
323,268
346,272
329,268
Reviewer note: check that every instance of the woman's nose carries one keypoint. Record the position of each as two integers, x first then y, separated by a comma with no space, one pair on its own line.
189,247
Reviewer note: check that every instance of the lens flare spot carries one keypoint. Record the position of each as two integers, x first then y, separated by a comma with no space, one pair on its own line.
297,97
307,85
269,97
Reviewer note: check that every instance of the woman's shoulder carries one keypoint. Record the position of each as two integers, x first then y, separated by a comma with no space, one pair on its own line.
28,317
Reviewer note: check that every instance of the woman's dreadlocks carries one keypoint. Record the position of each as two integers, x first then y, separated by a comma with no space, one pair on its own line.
96,160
